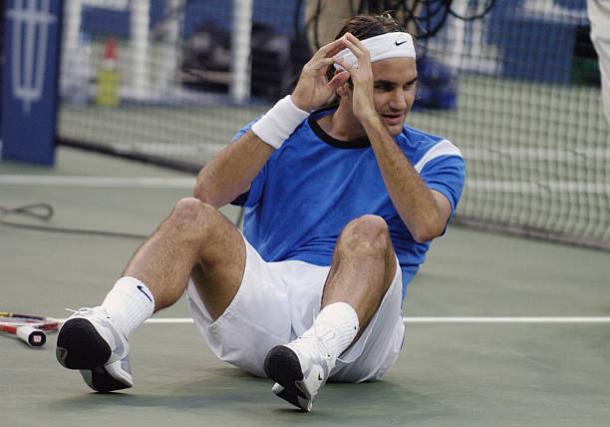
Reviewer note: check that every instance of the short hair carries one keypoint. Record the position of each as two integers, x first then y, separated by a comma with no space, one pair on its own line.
366,26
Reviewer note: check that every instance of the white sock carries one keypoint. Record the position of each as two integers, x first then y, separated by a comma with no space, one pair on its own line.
129,303
337,325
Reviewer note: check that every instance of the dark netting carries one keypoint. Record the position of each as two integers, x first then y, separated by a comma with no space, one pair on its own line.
514,84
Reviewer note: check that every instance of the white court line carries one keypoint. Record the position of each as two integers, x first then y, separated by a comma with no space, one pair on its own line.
549,319
97,181
443,320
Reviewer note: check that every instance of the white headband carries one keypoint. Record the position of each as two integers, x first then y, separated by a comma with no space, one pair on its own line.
385,46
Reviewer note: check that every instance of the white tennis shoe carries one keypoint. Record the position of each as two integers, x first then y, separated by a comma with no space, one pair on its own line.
89,341
300,369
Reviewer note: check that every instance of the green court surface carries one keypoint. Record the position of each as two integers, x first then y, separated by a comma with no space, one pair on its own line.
501,331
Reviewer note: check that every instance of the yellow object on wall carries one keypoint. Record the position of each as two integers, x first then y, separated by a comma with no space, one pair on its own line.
108,77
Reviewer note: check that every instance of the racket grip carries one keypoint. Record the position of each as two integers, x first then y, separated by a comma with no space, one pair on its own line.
32,336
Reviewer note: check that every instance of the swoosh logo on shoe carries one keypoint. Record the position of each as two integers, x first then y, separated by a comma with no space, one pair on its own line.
320,377
141,289
402,42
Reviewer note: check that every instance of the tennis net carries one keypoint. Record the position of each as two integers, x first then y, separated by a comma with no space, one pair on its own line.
517,90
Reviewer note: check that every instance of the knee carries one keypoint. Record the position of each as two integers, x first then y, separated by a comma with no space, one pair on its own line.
192,214
367,234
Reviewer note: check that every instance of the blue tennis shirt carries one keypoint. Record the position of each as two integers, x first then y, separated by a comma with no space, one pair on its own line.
313,185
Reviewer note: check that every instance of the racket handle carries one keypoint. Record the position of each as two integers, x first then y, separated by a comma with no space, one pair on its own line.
32,336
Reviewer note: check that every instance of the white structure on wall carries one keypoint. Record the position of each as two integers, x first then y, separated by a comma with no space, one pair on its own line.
30,24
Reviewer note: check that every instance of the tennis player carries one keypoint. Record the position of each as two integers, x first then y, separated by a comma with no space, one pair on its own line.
342,203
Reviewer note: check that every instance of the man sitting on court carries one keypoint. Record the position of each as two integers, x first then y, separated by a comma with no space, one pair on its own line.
342,203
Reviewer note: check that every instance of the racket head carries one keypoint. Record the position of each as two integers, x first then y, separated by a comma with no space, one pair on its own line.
27,327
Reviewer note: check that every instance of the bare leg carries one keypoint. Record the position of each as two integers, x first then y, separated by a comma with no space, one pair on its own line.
362,270
94,340
363,267
194,238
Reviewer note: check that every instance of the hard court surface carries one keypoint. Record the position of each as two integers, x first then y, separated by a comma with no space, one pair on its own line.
509,366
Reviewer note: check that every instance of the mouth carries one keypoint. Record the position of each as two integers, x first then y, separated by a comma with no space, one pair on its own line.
393,118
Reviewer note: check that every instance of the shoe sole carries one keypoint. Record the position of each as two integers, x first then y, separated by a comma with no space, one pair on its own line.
80,346
99,379
282,366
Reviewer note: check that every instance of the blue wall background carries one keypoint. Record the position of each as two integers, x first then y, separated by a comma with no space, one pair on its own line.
278,14
529,43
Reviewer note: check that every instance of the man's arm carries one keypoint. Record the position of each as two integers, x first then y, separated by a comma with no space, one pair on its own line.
425,212
231,173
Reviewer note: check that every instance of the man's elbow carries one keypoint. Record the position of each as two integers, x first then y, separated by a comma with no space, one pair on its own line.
201,193
421,237
427,232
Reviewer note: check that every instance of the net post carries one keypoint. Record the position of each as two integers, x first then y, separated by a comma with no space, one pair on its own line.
170,51
72,24
139,47
240,47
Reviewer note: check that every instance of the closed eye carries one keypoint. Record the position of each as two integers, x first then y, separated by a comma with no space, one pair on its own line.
384,86
410,83
387,86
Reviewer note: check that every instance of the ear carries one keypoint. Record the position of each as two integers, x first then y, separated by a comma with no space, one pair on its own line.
345,90
341,91
338,80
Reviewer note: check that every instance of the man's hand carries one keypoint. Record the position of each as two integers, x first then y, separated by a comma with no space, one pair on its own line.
313,88
362,78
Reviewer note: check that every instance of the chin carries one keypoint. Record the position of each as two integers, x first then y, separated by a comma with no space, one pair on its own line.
396,130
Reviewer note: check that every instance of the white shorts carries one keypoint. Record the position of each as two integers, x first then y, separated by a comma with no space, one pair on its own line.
277,302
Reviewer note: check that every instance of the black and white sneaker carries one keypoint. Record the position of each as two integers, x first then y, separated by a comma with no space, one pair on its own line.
300,369
89,341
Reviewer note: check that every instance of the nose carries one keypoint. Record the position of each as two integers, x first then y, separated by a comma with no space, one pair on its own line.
399,99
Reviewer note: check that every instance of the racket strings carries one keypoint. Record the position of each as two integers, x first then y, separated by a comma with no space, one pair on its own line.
9,315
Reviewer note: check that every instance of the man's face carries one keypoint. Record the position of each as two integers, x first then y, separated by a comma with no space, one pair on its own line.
394,91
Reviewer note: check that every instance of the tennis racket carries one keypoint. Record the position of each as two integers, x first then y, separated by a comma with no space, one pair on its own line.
28,328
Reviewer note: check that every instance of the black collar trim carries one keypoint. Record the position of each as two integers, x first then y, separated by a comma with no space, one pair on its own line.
337,143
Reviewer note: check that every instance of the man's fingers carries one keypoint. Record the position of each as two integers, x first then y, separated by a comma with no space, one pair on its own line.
324,56
339,79
356,47
346,65
355,40
331,48
322,63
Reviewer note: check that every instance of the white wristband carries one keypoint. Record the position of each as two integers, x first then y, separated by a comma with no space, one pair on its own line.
279,122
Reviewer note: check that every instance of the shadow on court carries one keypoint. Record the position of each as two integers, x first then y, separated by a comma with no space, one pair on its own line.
229,397
449,374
